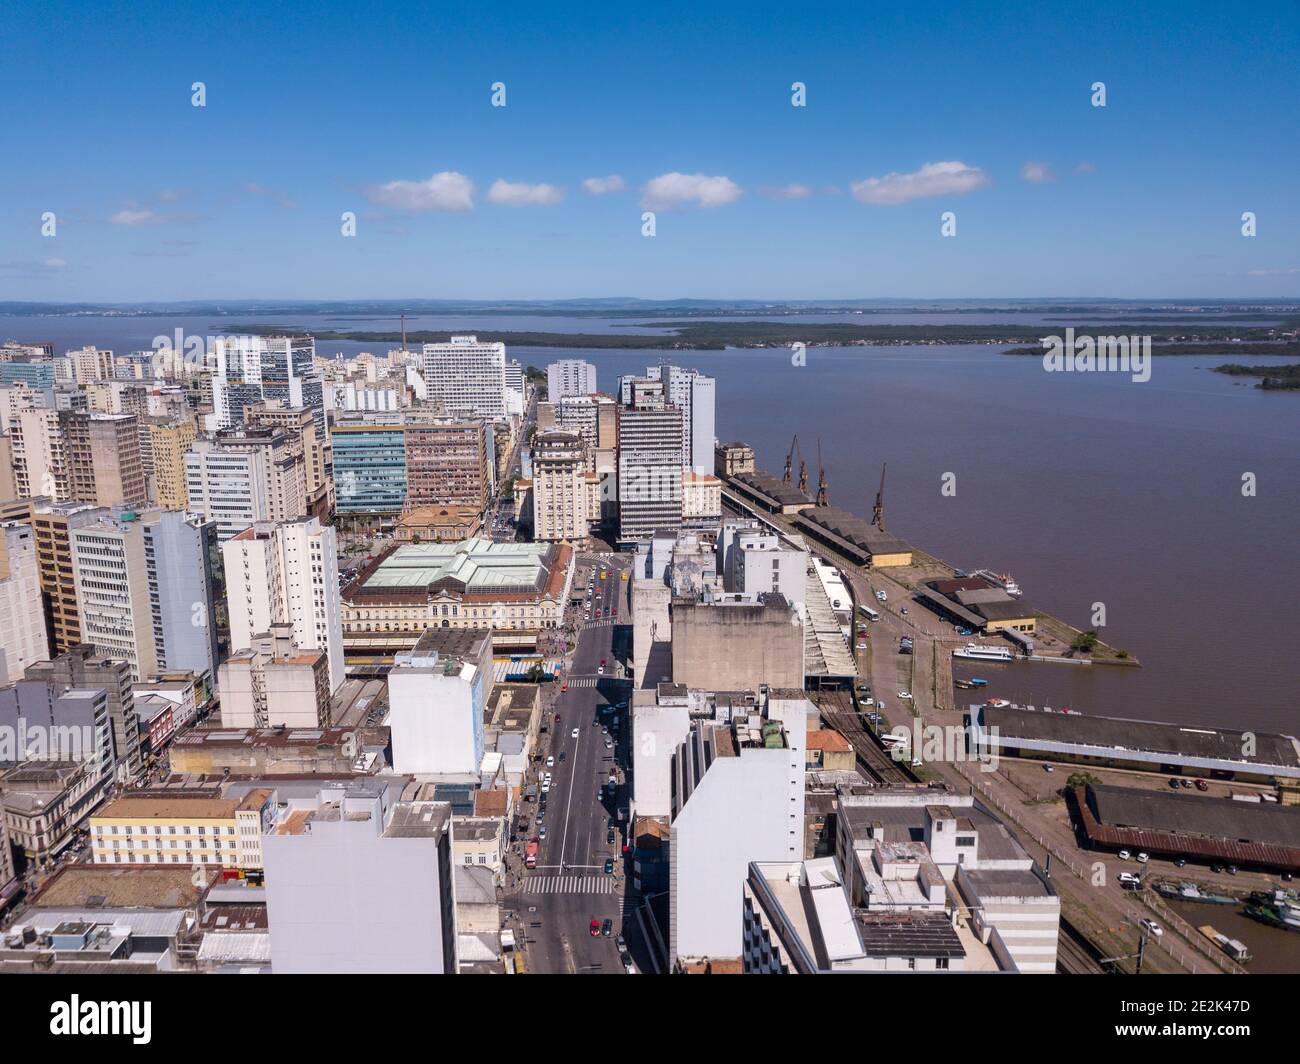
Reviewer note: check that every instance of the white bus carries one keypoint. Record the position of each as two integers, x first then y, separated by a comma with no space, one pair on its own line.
868,612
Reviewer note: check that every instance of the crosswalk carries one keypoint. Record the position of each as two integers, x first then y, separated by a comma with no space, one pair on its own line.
583,681
569,885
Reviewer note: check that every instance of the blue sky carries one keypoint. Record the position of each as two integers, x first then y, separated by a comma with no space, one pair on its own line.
357,107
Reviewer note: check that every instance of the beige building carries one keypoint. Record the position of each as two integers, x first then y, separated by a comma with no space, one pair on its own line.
168,442
559,488
104,459
171,829
246,475
23,639
314,446
275,684
53,523
701,498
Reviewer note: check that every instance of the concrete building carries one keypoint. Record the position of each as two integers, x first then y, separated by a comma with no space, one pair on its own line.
730,459
183,576
708,634
738,797
246,475
360,882
466,377
753,559
82,668
77,455
301,424
569,376
449,462
53,524
701,499
560,495
437,695
275,684
667,565
108,561
177,829
258,752
649,466
694,395
23,637
286,574
168,442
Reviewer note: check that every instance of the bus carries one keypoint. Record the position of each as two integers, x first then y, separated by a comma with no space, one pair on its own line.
868,612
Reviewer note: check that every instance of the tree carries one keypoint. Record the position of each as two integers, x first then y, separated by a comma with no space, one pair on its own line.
1084,642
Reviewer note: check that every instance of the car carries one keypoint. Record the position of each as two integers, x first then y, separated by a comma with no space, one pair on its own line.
1129,881
546,787
613,780
541,832
1180,862
574,733
1143,858
1201,785
868,701
1049,768
1174,784
1124,855
1187,784
609,745
600,670
602,663
902,610
609,866
905,694
1232,869
607,928
862,644
1216,869
864,688
881,596
621,943
563,687
611,836
1153,927
563,754
550,762
557,718
595,928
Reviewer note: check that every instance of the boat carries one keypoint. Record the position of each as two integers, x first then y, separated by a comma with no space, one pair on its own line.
1002,580
979,652
997,703
964,685
1231,946
1279,910
1191,892
977,682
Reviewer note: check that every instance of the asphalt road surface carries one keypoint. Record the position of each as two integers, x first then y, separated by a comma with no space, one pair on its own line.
569,888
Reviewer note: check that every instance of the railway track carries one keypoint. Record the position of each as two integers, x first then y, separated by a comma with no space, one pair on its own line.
838,711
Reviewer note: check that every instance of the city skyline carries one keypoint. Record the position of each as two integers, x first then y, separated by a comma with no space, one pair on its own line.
990,117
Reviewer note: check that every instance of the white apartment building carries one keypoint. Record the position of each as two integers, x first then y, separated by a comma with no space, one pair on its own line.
286,574
244,476
514,378
23,636
436,703
467,377
753,559
569,377
738,798
694,395
108,563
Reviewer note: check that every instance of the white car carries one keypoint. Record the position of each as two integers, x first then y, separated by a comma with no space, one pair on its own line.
574,733
1143,858
1124,855
868,701
550,762
1153,927
905,694
546,787
881,596
609,745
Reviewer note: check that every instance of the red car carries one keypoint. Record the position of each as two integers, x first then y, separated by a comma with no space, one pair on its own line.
602,663
595,929
563,687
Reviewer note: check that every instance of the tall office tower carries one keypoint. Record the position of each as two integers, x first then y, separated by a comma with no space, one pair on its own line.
569,376
184,575
168,442
53,524
108,563
448,462
230,399
23,639
289,375
649,464
694,395
369,456
8,484
560,495
286,574
300,424
246,475
104,465
514,378
90,364
390,905
83,667
593,417
467,377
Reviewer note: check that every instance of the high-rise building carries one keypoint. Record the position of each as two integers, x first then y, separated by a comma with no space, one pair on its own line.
53,523
185,578
390,906
369,467
467,377
286,574
104,459
246,475
694,395
649,464
275,684
514,378
448,462
108,562
23,639
569,376
83,667
300,424
561,499
168,441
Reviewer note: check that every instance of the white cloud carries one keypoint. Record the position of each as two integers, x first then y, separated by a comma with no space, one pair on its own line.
1037,172
56,264
668,191
135,216
786,192
599,186
444,191
933,179
280,199
521,194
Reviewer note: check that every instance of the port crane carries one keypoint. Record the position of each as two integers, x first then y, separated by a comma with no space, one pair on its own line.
878,511
803,466
821,477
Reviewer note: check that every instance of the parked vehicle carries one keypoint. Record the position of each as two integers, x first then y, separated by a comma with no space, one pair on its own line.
530,854
1153,927
1124,855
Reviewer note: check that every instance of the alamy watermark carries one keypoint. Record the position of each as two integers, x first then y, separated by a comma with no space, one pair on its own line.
1098,354
26,741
